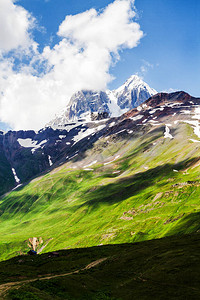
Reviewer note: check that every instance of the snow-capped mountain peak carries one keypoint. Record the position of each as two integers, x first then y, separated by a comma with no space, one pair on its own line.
132,82
83,103
133,92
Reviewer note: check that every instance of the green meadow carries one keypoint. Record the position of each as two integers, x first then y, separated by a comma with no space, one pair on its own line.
142,187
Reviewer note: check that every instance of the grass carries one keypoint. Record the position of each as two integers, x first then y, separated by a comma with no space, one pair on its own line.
149,192
166,268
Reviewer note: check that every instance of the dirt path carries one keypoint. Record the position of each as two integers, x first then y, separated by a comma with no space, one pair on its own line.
6,286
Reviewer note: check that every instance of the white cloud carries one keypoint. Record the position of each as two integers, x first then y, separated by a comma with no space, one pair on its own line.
145,68
15,24
108,30
90,44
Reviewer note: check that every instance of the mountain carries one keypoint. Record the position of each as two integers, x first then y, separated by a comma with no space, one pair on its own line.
116,180
131,94
26,154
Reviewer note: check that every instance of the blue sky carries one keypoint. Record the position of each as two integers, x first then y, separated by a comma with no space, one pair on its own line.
167,56
171,45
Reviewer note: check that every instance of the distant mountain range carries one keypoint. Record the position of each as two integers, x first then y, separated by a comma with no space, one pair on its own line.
131,94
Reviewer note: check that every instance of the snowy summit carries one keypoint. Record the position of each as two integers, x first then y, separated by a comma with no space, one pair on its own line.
131,94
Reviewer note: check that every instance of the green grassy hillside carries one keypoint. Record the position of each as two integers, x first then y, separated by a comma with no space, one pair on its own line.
141,187
167,268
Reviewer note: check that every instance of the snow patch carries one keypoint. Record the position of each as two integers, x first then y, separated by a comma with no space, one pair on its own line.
17,187
62,136
116,172
144,105
72,156
17,180
114,108
155,109
29,143
136,118
84,133
153,121
167,133
185,112
109,162
112,124
120,131
92,163
194,141
152,111
195,125
173,104
144,121
197,113
50,161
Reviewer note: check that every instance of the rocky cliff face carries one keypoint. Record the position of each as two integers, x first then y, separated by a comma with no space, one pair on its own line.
87,101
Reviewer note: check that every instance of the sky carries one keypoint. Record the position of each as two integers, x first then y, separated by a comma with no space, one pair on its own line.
50,49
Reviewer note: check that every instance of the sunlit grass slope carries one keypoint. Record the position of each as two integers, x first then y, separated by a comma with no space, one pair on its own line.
142,187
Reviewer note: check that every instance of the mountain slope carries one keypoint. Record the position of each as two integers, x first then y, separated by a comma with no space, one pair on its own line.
158,269
137,179
26,154
131,94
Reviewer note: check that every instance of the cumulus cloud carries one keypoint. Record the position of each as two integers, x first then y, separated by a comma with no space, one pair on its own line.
15,24
90,43
108,30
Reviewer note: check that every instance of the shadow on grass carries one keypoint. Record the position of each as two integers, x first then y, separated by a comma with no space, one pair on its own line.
17,204
111,193
187,224
165,268
132,185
